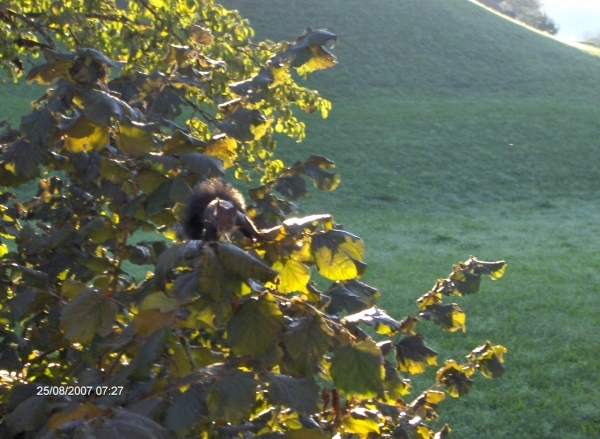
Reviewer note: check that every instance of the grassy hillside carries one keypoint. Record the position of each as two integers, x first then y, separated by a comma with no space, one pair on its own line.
457,133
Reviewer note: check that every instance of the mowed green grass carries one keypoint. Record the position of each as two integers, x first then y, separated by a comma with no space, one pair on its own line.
458,133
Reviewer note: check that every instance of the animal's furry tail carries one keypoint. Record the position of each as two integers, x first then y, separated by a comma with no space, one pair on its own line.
204,193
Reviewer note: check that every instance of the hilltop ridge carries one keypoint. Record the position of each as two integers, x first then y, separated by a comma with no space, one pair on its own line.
438,46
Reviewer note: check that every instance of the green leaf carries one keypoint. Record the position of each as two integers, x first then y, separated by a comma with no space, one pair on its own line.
352,296
464,281
299,394
23,159
202,165
244,125
454,378
357,369
449,316
256,87
232,397
175,256
83,135
293,275
181,143
338,254
57,65
493,269
305,433
39,127
89,314
118,423
426,404
315,168
223,148
134,138
27,416
488,359
362,422
395,386
140,366
96,55
214,280
414,355
243,264
187,410
102,108
292,187
256,326
306,340
201,35
307,53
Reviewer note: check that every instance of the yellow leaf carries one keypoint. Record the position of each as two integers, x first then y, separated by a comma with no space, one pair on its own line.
223,148
293,276
423,432
160,301
71,288
321,59
133,138
148,321
85,136
499,351
180,364
3,249
259,130
362,427
87,410
434,397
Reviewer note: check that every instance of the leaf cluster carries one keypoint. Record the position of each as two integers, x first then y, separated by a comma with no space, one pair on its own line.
219,339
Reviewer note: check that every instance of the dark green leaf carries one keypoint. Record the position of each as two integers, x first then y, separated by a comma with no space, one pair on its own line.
256,326
449,316
306,340
454,378
292,187
182,143
299,394
414,355
357,369
90,313
243,264
315,168
28,415
187,410
134,138
24,158
488,359
57,65
39,127
202,165
102,108
232,397
352,296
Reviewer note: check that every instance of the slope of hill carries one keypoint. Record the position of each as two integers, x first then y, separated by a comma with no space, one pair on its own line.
458,132
435,47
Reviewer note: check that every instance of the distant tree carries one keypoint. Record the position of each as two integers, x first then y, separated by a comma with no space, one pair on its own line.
526,11
216,339
594,41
